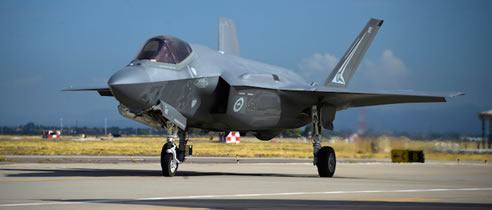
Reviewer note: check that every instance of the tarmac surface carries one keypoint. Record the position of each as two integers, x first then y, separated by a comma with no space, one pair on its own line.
33,182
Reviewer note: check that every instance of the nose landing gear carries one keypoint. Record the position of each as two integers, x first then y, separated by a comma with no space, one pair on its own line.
172,155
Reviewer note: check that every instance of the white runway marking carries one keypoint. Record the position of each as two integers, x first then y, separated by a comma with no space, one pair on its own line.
240,195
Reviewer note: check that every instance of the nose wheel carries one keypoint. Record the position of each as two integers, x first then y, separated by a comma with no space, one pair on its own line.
169,163
172,155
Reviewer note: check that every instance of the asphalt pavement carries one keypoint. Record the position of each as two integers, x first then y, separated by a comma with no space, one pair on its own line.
220,183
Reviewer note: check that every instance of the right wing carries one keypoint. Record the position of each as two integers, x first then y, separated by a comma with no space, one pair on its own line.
344,98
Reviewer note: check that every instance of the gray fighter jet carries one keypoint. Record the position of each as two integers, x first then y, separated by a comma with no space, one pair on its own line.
174,85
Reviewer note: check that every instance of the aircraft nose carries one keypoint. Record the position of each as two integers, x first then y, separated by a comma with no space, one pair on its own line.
129,86
129,75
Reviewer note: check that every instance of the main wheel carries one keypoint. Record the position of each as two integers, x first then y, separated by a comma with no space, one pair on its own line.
327,162
168,164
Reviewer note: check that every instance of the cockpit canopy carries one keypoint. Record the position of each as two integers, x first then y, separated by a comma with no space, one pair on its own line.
165,49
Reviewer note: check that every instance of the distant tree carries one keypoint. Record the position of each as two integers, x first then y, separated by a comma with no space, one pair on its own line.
291,132
29,125
140,131
115,130
308,130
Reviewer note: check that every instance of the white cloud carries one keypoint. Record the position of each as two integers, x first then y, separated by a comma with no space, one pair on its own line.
317,67
388,64
387,72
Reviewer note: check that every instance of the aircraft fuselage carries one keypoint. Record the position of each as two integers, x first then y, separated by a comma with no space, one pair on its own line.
196,89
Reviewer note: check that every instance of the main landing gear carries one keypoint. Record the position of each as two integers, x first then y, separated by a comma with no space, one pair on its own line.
324,157
172,155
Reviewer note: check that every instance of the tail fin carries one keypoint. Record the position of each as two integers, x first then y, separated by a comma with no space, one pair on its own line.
228,42
346,67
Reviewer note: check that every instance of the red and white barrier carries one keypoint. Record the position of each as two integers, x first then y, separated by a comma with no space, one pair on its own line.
233,137
54,134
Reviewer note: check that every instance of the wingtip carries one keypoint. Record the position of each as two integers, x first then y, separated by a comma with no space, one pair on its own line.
67,89
452,95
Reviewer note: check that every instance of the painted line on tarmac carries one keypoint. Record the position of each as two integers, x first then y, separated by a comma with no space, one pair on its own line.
239,195
63,179
405,199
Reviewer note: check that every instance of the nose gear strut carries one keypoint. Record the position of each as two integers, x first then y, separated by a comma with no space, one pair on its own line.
171,155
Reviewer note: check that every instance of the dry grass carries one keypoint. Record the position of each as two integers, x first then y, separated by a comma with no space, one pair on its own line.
379,147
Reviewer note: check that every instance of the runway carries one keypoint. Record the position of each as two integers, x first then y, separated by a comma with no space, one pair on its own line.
272,184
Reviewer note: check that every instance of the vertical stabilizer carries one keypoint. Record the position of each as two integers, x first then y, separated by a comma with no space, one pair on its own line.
346,67
228,42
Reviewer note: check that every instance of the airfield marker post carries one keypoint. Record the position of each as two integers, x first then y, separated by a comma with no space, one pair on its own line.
490,133
483,133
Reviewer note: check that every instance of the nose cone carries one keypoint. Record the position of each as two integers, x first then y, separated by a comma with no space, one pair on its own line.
130,86
129,75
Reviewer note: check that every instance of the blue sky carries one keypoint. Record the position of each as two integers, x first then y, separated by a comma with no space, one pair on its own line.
436,45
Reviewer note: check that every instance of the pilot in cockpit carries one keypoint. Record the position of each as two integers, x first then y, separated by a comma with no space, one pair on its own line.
164,55
163,49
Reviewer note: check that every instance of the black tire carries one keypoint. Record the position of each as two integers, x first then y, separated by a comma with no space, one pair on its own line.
327,162
166,162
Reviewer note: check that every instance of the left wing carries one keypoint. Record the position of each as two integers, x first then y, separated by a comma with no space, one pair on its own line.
103,91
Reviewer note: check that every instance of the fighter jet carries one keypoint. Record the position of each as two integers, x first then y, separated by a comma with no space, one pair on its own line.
175,85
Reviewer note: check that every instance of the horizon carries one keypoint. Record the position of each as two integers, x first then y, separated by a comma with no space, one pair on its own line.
345,131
